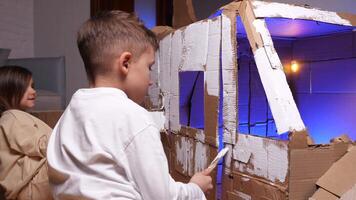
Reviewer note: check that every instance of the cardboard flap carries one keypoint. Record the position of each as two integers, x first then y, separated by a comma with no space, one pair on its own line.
298,140
351,194
183,13
322,194
242,155
341,176
342,138
162,31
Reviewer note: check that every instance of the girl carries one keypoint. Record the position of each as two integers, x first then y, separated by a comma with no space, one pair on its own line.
23,139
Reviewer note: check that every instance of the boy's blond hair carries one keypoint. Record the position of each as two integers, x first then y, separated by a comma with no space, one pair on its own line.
107,35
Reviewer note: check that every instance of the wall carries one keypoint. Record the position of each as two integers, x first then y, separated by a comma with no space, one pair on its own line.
16,27
55,26
325,88
146,10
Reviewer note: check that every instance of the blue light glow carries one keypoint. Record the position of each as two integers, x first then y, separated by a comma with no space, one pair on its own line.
146,11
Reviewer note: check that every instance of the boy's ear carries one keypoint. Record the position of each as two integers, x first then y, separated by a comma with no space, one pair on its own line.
124,62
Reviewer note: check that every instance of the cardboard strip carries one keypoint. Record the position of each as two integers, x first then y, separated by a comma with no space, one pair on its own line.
165,74
229,76
280,99
212,74
211,110
248,17
177,51
271,9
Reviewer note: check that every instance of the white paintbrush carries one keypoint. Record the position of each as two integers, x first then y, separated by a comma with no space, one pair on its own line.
220,155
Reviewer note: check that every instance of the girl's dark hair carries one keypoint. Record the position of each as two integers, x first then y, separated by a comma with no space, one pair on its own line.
14,81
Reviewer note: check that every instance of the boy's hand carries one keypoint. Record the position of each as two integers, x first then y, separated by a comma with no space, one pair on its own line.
203,179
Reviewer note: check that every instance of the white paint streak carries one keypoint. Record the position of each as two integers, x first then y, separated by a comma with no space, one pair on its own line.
201,156
159,119
212,82
165,63
229,82
174,123
269,158
243,196
228,157
175,60
154,89
280,99
267,9
200,136
195,47
242,155
174,114
184,150
261,28
213,57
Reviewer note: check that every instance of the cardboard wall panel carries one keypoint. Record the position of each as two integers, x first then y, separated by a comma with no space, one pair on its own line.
261,157
194,47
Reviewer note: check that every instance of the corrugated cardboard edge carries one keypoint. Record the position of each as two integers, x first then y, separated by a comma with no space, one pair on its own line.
349,17
307,165
341,176
322,194
229,72
162,31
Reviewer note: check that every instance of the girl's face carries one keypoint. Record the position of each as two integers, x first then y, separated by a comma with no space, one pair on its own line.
28,99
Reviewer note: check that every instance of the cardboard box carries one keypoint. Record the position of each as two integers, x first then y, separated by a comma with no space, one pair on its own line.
256,167
283,169
340,178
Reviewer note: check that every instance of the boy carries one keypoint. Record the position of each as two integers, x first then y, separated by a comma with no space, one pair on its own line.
105,145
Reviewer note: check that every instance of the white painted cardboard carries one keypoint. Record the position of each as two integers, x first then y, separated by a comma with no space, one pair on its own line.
268,9
269,158
229,83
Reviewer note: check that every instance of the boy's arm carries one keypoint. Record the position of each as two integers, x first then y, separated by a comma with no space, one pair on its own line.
149,167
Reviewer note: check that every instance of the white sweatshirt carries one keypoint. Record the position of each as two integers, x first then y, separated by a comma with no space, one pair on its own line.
105,146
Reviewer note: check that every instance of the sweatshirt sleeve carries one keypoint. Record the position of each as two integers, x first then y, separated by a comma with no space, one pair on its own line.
150,172
25,138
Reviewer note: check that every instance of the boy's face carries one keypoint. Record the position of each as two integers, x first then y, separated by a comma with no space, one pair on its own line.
138,77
